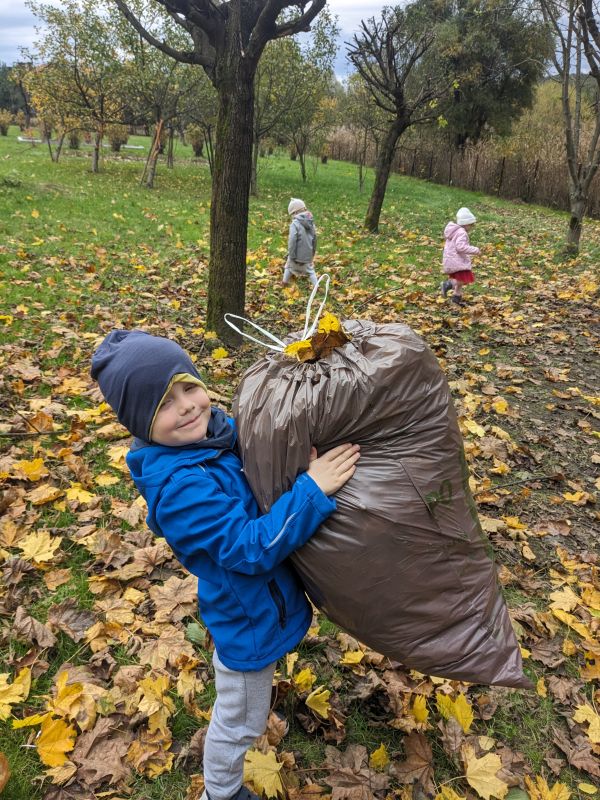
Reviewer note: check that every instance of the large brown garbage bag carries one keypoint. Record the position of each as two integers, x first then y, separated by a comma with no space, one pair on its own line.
403,564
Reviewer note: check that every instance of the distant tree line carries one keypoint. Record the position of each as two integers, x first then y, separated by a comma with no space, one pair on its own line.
235,80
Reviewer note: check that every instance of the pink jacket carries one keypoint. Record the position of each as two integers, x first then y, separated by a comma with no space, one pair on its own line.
457,250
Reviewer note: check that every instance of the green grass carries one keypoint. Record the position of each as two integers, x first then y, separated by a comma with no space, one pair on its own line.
82,253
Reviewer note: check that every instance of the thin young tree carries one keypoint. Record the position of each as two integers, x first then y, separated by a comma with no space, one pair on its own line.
577,67
395,57
227,39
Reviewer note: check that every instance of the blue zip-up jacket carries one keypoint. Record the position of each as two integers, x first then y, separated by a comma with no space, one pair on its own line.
250,599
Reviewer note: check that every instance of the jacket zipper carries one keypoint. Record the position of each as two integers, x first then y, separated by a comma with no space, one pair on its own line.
279,601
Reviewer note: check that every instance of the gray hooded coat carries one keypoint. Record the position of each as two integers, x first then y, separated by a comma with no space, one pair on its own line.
302,241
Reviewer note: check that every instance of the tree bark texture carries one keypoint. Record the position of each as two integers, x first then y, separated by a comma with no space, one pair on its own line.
96,152
230,190
382,174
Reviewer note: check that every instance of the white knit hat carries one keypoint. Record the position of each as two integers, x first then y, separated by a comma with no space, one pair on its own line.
296,205
465,217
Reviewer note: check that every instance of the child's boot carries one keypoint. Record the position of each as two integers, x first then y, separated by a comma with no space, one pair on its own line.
458,300
241,794
445,287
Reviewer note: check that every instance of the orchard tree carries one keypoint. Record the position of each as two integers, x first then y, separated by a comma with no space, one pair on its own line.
78,66
576,58
500,51
227,39
364,119
396,58
158,88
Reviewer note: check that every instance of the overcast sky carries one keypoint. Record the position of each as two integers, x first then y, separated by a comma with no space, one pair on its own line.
16,25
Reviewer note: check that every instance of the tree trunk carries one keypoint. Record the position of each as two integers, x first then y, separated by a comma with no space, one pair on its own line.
150,168
578,206
170,159
302,157
230,191
382,174
254,174
96,152
59,147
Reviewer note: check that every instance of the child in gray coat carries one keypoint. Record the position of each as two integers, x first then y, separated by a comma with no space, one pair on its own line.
302,243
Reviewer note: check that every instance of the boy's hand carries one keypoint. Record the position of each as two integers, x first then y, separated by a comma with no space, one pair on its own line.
331,471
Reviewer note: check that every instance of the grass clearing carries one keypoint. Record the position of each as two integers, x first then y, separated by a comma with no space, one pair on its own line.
82,253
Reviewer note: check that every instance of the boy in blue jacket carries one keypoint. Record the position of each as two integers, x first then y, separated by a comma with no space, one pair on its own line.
184,463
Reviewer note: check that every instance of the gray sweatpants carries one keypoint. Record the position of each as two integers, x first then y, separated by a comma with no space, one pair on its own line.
298,268
239,716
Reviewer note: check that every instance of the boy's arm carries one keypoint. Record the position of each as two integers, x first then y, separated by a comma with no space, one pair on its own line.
196,516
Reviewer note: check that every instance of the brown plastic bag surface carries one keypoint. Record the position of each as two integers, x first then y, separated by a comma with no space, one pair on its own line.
403,564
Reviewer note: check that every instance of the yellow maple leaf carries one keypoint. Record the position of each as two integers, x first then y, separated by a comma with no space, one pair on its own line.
500,406
514,523
564,598
304,680
460,709
35,213
473,427
585,713
379,759
65,703
447,793
572,622
15,692
541,688
33,470
318,700
43,494
78,494
263,771
591,671
300,350
219,352
481,774
329,323
56,739
154,703
352,657
33,719
106,479
419,708
39,547
539,789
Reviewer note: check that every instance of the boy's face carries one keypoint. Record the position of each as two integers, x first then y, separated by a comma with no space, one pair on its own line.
182,417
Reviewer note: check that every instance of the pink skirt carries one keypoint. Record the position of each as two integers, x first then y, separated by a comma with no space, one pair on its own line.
463,275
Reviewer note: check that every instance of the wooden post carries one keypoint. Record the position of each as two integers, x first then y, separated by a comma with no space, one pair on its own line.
501,175
474,172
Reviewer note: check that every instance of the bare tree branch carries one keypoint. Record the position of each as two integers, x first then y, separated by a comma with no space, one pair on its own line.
187,57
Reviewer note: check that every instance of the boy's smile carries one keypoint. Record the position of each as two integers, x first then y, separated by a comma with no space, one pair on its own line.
183,416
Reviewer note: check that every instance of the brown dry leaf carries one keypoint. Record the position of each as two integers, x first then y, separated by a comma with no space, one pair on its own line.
418,766
30,629
175,599
169,646
100,753
71,619
196,788
57,577
60,775
4,771
149,755
578,752
350,776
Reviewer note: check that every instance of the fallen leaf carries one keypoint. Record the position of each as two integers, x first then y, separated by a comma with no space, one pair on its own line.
482,774
263,771
56,739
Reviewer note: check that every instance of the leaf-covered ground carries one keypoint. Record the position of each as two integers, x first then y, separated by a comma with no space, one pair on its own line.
105,683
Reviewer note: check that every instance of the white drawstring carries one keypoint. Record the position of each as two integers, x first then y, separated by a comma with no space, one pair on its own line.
280,346
308,332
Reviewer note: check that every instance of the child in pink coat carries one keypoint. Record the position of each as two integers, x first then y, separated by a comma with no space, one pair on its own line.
456,260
